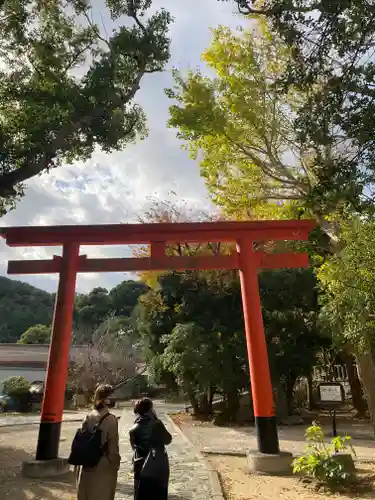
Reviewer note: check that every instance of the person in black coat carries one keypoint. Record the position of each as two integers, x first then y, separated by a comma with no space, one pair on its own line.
148,439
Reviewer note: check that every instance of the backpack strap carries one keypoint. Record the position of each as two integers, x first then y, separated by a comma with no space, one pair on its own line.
102,420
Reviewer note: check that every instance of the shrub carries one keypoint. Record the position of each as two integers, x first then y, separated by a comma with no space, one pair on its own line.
16,386
320,461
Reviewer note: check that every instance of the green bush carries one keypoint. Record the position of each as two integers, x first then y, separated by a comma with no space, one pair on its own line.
16,386
320,461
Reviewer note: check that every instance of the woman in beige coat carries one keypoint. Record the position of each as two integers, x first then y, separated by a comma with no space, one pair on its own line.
99,483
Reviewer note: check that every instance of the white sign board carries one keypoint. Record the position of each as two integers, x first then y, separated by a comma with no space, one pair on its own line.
330,393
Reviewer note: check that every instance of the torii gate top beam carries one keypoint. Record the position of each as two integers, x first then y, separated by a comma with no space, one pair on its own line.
126,234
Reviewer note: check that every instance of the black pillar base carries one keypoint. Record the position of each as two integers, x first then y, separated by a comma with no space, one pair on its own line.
48,441
268,440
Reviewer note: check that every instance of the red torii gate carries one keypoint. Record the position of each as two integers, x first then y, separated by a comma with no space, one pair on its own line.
246,259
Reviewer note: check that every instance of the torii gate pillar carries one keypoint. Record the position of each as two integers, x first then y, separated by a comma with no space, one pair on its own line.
58,359
261,386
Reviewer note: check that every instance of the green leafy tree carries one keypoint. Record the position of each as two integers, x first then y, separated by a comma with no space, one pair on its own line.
15,386
182,310
92,309
100,306
68,87
37,334
240,127
331,45
192,328
291,326
348,280
22,306
245,126
124,297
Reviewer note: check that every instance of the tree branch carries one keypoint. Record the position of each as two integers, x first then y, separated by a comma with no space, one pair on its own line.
9,180
245,7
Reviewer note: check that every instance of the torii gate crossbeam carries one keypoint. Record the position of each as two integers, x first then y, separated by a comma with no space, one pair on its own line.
245,259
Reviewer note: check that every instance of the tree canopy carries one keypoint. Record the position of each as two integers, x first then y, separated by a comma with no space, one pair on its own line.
92,309
37,334
22,306
348,281
331,61
67,86
192,329
240,127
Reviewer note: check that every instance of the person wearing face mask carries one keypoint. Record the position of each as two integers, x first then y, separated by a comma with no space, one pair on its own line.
99,482
148,439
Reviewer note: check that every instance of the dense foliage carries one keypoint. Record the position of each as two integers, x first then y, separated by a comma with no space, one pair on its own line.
192,328
26,311
22,306
283,125
67,86
16,386
92,309
348,280
37,334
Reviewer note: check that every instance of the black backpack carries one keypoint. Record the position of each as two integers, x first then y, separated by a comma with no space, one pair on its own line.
87,449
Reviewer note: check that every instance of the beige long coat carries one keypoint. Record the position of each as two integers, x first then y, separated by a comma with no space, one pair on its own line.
100,483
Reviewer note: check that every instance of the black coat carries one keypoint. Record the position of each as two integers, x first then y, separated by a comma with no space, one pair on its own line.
148,432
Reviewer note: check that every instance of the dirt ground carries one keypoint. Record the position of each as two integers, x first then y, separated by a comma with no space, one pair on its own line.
17,444
238,484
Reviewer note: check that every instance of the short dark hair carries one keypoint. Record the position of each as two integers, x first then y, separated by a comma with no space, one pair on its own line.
143,406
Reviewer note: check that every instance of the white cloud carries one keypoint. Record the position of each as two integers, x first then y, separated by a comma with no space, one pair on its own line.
114,188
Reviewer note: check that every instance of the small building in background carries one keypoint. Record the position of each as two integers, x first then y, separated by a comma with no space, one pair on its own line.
28,361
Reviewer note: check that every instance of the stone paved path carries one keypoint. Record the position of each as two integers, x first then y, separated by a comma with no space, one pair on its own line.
189,478
75,416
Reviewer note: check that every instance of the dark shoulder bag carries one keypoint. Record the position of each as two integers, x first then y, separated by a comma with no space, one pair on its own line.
156,464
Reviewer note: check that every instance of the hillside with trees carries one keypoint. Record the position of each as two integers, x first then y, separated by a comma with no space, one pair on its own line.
22,306
26,311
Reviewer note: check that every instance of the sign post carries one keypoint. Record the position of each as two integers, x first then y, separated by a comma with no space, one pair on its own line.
331,396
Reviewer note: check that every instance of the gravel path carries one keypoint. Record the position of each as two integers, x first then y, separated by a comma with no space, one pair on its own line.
243,439
17,444
10,420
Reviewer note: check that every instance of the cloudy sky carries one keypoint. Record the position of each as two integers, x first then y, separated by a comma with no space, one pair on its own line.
114,188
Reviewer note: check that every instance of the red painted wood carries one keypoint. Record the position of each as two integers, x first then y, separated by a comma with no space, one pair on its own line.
33,266
58,358
158,249
261,261
261,386
116,234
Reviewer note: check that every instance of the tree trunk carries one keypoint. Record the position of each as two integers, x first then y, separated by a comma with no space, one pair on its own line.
211,394
193,402
289,394
232,405
310,393
205,409
366,368
280,402
355,384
